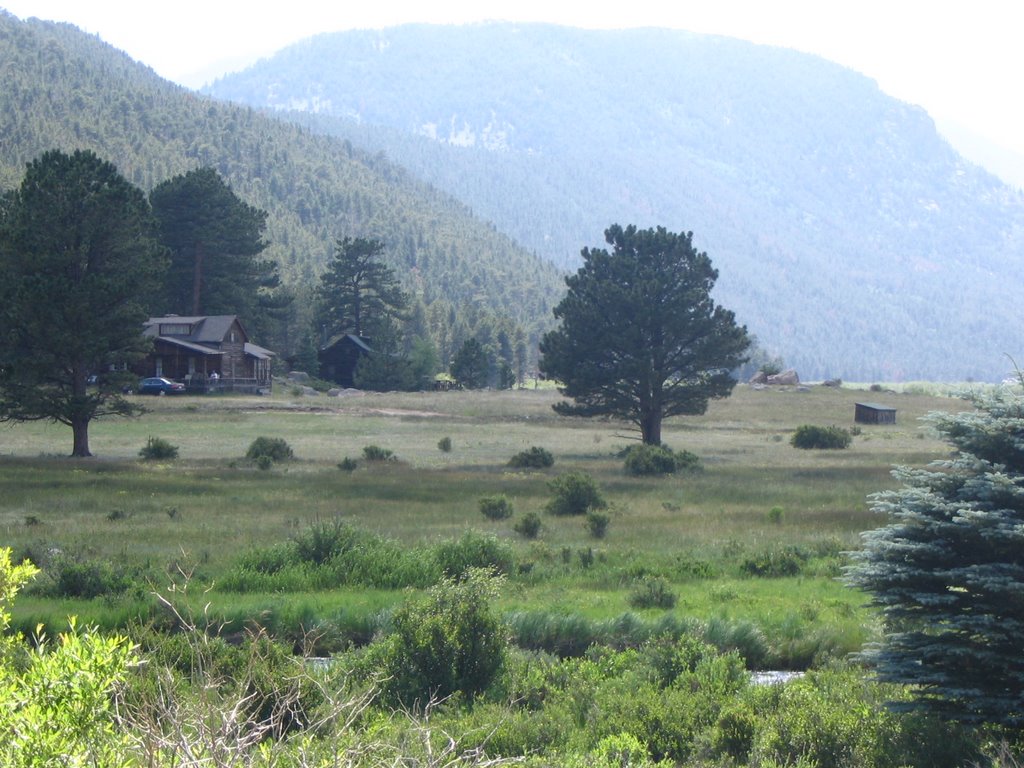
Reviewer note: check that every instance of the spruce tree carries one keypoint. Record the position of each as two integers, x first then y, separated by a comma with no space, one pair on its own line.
947,572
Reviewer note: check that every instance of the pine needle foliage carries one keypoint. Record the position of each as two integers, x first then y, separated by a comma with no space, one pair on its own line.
948,570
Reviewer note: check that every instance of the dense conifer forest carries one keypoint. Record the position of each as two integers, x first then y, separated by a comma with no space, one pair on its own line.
61,88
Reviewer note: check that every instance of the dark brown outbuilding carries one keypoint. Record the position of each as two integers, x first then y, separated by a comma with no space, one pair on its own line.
873,413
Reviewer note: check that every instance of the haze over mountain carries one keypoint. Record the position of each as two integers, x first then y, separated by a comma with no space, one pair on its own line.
850,237
61,88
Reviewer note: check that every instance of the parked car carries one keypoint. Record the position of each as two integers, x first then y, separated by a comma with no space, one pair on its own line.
157,385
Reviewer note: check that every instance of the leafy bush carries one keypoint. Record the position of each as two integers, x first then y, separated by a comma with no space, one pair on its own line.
652,592
264,462
597,523
496,507
532,458
473,551
575,493
647,460
451,642
376,453
775,515
528,526
775,563
275,448
809,436
69,576
347,464
444,444
158,449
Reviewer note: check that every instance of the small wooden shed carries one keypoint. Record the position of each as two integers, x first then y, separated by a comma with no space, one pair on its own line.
873,413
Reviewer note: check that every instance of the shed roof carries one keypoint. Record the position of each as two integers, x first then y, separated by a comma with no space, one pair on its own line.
875,406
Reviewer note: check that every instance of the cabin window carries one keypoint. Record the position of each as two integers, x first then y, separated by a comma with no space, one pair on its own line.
159,366
191,365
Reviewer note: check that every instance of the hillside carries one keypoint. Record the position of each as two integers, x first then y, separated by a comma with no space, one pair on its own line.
850,237
62,88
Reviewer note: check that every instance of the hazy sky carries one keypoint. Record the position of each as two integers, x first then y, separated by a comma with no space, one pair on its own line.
960,60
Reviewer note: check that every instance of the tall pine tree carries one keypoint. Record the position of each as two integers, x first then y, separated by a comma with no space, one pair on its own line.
215,241
78,259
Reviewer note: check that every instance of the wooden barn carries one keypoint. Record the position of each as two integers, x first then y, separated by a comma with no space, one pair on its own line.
873,413
207,352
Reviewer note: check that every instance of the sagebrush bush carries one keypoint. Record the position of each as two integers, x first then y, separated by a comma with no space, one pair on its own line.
528,526
444,444
348,464
575,493
158,449
597,523
473,550
376,453
648,460
775,563
534,457
809,436
274,448
496,507
652,592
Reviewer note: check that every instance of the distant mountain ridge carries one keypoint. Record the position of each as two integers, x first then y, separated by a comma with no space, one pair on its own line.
850,237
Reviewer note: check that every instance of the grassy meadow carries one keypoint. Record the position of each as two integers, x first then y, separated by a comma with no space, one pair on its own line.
715,537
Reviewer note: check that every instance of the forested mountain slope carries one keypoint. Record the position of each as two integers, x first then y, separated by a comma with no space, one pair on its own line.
850,237
61,88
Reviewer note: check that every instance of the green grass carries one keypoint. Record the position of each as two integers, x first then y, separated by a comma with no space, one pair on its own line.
202,511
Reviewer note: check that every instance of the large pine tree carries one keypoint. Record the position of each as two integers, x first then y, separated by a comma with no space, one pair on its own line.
641,338
948,570
78,261
215,240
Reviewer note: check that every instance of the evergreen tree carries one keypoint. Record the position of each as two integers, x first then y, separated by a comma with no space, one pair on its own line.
472,365
78,258
215,241
948,570
641,338
359,293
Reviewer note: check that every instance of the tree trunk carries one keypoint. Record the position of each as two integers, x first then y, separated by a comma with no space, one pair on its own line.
650,429
197,279
80,430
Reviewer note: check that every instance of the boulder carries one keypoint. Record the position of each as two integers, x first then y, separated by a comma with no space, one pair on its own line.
837,383
786,378
759,378
299,376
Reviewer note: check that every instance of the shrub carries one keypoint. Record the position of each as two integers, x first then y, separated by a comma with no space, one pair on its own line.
444,444
597,523
158,449
264,462
775,563
532,458
449,643
809,436
323,541
347,464
275,448
496,507
528,525
775,515
574,494
646,460
376,453
473,551
652,592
